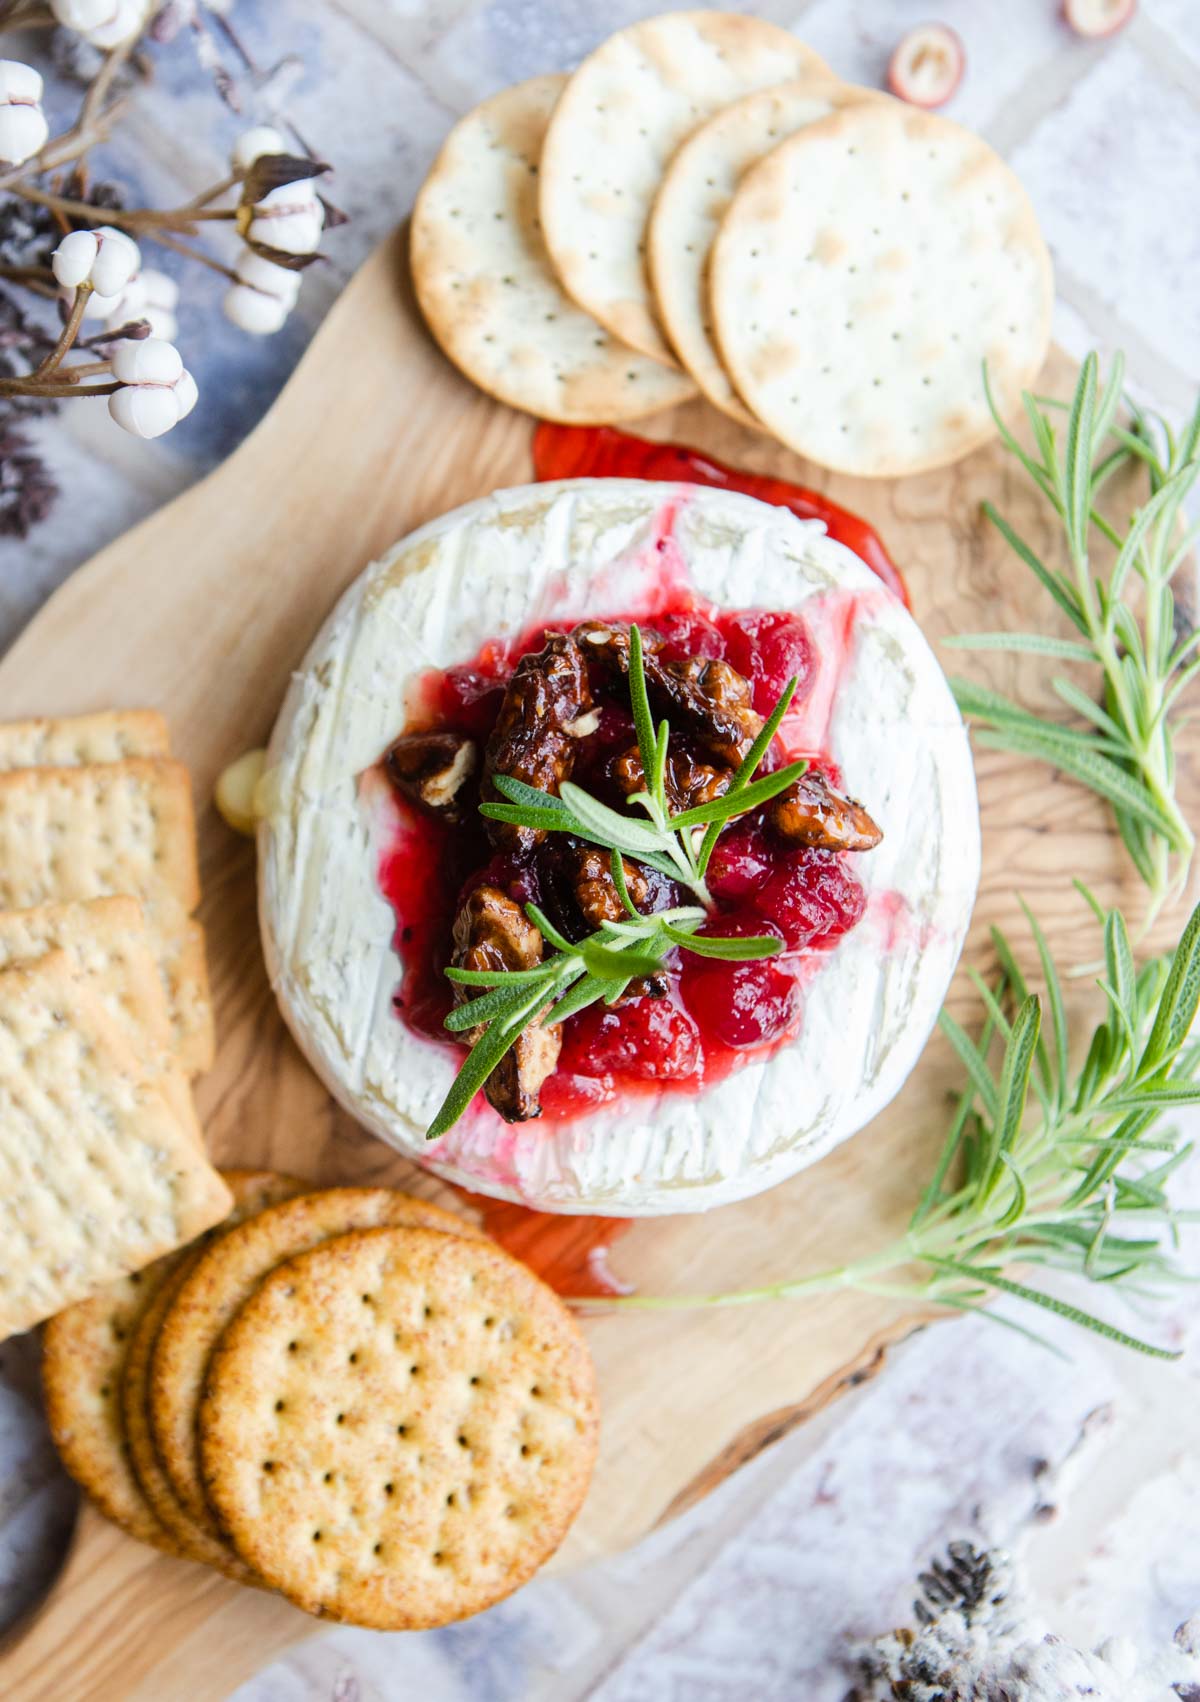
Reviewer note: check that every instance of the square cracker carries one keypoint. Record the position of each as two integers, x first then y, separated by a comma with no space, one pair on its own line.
97,832
184,967
108,943
109,735
99,1172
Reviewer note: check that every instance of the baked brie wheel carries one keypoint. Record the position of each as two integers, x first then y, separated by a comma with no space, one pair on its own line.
492,645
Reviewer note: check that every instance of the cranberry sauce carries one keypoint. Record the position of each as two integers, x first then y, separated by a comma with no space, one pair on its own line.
717,1013
600,452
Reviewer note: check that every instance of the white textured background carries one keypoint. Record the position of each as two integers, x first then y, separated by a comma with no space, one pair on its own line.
1091,1463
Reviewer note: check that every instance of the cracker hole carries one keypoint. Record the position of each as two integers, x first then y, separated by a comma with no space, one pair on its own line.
354,1357
316,1536
327,1478
279,1406
389,1489
341,1418
378,1549
293,1347
439,1559
268,1466
489,1323
402,1430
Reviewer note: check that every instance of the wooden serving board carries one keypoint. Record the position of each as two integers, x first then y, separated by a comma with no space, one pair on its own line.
202,611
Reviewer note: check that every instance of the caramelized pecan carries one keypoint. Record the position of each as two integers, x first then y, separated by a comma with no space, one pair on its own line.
813,813
545,711
491,931
432,769
702,695
688,783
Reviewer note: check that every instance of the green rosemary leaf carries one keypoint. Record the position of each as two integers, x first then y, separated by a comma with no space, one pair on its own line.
609,827
1095,770
1118,958
1056,584
517,792
501,1002
585,992
1023,643
547,929
1001,712
1083,705
498,1039
1160,1098
494,977
746,949
1054,997
1051,1303
1020,1198
1110,400
660,766
607,965
731,803
1077,467
1015,982
639,702
524,815
1013,1090
617,867
1176,1006
974,1061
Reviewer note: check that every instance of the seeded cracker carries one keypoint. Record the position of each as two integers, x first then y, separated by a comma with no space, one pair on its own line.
253,1190
693,199
864,272
121,828
619,120
399,1427
99,1174
69,741
487,288
83,1352
219,1284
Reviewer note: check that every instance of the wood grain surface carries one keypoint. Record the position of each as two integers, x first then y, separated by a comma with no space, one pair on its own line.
202,611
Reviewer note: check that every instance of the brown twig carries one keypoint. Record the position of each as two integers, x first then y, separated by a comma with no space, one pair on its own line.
27,387
177,247
142,219
68,334
39,279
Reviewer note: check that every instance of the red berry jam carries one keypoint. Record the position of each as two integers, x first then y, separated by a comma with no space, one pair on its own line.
715,1013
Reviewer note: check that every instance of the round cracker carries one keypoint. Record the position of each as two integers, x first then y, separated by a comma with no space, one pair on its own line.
399,1427
692,200
619,119
83,1352
83,1357
489,293
253,1191
219,1283
864,272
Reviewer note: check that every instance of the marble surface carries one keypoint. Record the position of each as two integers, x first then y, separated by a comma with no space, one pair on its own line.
1090,1463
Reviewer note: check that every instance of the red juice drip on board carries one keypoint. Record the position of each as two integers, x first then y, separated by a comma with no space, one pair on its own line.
600,452
569,1253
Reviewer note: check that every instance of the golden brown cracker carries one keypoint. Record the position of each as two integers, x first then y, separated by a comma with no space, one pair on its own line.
68,741
224,1278
399,1427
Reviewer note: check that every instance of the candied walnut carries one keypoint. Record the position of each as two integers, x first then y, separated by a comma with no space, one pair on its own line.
491,931
688,783
703,695
813,813
432,769
596,891
599,901
546,709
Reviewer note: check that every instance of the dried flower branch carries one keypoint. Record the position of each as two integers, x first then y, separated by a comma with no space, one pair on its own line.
66,241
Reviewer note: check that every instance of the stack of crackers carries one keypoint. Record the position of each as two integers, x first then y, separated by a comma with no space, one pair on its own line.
703,206
104,1010
349,1396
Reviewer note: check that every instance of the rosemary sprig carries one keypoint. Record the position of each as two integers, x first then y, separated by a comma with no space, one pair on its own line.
575,975
680,846
1079,1185
1126,752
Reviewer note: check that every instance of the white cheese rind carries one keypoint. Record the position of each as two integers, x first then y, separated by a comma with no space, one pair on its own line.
564,552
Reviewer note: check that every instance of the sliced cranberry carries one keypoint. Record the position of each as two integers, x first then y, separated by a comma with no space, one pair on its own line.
768,649
687,634
470,699
742,860
812,899
741,1005
645,1040
927,65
